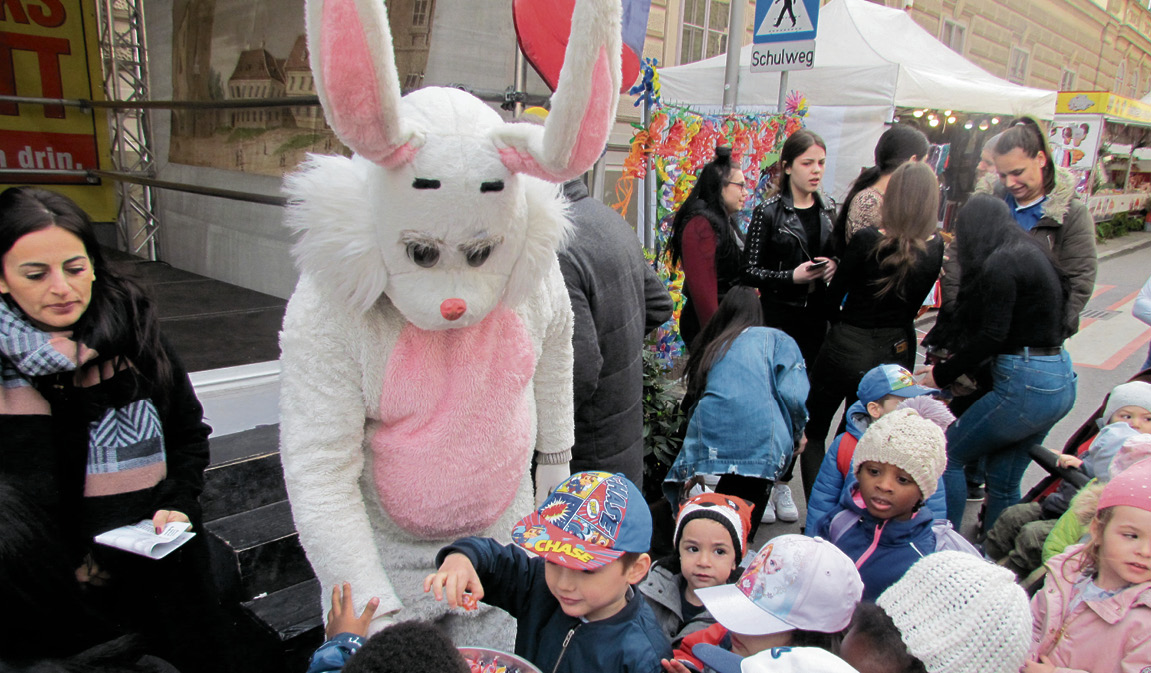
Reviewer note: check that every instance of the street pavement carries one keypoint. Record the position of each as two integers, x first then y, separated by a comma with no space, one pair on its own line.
1108,349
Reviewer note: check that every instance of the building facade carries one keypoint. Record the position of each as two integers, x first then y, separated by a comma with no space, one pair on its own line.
1065,45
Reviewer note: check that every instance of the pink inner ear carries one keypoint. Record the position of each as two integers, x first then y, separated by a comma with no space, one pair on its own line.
594,125
353,86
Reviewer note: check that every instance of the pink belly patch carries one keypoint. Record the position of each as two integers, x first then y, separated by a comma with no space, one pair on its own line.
455,436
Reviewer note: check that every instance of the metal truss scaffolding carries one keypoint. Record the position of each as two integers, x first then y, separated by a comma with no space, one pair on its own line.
124,54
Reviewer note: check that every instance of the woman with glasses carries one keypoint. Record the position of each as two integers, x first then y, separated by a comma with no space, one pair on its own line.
707,242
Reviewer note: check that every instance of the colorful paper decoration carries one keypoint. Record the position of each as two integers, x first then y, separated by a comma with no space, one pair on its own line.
679,141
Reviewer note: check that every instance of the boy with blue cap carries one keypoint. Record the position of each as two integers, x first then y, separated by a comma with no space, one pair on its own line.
573,601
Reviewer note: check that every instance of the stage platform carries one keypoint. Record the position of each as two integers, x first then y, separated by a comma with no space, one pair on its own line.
227,338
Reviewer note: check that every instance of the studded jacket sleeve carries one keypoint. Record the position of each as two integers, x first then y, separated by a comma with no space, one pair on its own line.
755,255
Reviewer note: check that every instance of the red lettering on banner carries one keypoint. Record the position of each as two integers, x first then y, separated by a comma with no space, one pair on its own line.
16,8
48,51
53,19
32,150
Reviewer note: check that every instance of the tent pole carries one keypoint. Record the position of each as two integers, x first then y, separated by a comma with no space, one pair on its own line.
735,30
647,206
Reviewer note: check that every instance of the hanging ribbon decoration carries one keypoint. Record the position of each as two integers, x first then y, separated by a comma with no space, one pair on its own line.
681,141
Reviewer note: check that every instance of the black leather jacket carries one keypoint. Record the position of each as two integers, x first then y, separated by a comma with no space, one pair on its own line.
776,243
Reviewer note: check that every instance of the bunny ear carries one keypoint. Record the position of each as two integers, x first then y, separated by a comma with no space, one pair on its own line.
583,105
350,51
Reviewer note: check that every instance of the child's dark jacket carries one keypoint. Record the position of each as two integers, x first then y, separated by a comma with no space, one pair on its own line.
883,550
628,642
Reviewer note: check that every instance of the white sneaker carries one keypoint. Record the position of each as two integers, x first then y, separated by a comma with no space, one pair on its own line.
768,512
784,504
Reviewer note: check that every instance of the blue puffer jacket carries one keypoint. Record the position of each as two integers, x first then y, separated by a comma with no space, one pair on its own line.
629,642
831,484
752,412
883,549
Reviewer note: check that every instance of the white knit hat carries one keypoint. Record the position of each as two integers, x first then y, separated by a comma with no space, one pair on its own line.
908,441
960,614
1132,394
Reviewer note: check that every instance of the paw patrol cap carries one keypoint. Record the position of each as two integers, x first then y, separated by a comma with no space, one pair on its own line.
794,582
884,380
588,521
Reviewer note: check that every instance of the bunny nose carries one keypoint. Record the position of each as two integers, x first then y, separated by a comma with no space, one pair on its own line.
452,309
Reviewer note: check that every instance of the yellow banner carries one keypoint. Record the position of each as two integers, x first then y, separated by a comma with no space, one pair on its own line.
1105,103
49,49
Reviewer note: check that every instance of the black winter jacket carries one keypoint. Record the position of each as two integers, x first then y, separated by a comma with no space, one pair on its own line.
777,243
616,299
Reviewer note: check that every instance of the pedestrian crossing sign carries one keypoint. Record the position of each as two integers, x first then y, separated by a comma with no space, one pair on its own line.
785,20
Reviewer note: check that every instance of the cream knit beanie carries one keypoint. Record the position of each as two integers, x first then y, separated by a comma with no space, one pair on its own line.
908,441
960,614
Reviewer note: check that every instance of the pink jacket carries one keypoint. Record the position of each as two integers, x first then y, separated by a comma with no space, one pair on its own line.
1111,636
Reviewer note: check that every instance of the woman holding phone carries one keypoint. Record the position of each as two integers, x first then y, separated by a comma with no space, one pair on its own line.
788,257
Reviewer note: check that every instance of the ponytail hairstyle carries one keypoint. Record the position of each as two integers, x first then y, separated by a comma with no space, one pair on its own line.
1024,133
706,199
739,310
796,144
895,147
120,323
909,217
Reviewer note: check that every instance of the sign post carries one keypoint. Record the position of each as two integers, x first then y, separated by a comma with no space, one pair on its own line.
784,35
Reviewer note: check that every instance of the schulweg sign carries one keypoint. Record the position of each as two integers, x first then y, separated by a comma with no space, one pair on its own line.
784,35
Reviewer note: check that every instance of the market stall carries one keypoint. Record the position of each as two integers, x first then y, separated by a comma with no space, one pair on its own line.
861,78
1103,139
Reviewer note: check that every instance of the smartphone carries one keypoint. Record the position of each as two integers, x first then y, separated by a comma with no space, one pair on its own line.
818,264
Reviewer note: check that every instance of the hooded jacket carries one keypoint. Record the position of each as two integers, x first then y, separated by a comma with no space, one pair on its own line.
1067,229
831,484
1108,636
663,591
883,549
776,243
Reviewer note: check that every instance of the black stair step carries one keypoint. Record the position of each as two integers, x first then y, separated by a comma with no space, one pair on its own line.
242,485
290,612
258,441
257,552
287,625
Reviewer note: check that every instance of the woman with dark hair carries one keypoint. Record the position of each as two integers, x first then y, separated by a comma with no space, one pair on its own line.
101,422
873,300
704,237
1043,202
789,257
898,145
746,388
788,251
1009,311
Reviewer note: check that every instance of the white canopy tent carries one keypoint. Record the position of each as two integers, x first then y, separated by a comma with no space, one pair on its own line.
869,59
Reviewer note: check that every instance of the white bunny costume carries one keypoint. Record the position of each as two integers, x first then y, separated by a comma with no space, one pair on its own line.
427,348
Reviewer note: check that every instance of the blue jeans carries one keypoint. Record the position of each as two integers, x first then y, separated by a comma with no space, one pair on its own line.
1029,395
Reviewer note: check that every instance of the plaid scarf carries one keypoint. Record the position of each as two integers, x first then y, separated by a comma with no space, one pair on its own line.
126,443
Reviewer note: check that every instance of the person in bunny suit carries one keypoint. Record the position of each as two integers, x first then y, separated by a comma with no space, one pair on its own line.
427,349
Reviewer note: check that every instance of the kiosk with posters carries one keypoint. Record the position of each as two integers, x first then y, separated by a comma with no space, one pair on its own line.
1105,140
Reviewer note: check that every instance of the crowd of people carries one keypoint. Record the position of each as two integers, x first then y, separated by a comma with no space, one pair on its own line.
810,310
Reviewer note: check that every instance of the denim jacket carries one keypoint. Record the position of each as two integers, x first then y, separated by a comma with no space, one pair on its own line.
751,414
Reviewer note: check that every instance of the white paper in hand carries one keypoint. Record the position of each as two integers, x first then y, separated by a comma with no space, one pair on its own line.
141,538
